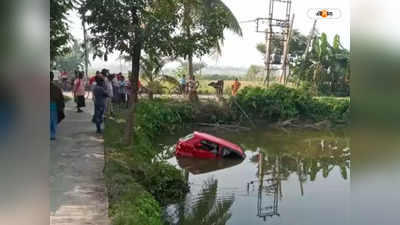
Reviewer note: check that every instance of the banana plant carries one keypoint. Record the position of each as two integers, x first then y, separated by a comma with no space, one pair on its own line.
327,67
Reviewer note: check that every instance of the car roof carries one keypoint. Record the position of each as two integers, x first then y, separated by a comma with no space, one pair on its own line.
217,140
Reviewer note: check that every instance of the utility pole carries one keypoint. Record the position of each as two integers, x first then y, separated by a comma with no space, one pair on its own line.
85,46
268,37
286,47
283,28
309,41
310,38
282,33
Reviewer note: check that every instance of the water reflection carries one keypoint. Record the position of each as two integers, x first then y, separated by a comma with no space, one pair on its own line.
268,188
205,208
285,179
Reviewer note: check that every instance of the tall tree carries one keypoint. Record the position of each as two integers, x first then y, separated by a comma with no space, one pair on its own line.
73,60
183,68
59,29
129,27
203,23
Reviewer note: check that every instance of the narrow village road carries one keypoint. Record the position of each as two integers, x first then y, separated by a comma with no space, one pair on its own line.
78,193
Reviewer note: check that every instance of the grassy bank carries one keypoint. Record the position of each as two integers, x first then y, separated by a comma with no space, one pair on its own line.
137,185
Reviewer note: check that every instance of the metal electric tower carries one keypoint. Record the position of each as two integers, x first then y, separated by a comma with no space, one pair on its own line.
277,26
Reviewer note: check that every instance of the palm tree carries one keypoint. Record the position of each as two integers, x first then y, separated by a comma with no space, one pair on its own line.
151,67
151,71
73,60
192,15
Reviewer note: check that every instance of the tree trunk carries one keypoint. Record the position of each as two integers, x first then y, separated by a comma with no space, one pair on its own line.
151,95
192,91
85,46
134,78
190,67
187,23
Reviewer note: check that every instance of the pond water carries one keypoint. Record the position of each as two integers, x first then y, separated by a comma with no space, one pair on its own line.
288,178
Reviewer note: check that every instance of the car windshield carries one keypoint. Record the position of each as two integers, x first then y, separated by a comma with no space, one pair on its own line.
187,137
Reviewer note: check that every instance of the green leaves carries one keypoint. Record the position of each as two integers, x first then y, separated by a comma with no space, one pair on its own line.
59,29
202,25
115,25
327,67
281,103
71,61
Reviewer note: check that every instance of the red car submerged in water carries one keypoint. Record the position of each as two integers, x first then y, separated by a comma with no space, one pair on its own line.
202,145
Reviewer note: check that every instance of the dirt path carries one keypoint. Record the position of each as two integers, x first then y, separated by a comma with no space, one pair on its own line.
78,194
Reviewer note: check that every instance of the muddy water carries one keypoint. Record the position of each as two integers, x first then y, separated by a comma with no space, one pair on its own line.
295,178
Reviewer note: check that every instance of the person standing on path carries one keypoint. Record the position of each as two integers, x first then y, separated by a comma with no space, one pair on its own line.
79,92
110,92
56,107
115,85
100,96
123,89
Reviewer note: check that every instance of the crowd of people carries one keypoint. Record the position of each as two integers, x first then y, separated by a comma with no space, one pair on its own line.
104,88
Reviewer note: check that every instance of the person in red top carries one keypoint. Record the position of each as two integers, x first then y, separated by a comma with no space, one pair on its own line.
79,92
92,82
93,79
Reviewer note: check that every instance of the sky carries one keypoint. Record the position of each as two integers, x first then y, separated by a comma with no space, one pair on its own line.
241,51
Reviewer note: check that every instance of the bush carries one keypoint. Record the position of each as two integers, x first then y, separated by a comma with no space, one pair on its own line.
137,209
159,116
335,109
280,103
276,103
165,183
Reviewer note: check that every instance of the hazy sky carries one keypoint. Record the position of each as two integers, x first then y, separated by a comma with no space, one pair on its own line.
241,51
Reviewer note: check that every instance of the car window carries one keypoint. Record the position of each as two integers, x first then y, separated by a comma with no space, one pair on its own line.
209,146
226,151
229,153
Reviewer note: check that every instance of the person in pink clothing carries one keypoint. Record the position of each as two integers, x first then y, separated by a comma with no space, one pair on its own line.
79,91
